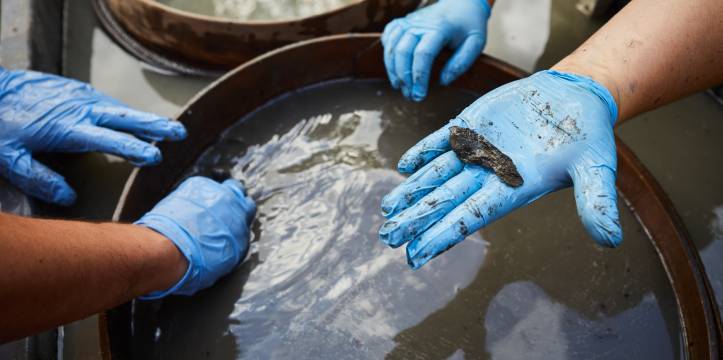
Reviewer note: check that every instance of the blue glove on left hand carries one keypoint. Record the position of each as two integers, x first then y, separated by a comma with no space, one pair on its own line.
412,43
558,130
209,223
47,113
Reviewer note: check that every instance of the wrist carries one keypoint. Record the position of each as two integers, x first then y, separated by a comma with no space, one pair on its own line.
597,72
587,87
165,266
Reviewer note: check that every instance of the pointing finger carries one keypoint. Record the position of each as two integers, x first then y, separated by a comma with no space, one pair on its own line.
403,54
94,138
421,183
492,201
139,123
430,147
424,54
411,222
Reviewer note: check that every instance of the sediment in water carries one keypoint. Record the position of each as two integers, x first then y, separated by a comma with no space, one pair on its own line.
317,283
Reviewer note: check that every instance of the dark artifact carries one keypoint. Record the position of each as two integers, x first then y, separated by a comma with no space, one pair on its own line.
472,148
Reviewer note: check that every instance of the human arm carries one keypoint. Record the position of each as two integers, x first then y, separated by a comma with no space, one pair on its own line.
653,52
556,126
57,271
47,113
412,43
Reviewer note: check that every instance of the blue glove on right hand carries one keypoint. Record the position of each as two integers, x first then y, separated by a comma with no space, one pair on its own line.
412,43
558,130
209,223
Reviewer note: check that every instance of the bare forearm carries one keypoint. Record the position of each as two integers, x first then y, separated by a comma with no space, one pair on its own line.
653,52
55,272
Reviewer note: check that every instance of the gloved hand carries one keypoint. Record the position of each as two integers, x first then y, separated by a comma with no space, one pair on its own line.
209,223
47,113
558,130
412,43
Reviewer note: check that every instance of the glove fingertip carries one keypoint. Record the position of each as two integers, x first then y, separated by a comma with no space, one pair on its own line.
388,206
238,189
596,199
409,164
405,91
149,156
64,196
387,234
178,131
446,77
251,208
609,235
45,185
603,226
235,186
419,93
58,192
416,262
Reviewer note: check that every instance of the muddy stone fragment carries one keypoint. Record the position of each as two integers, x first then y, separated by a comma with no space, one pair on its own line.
472,148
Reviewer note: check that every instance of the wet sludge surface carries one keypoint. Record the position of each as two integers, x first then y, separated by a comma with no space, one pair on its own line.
317,283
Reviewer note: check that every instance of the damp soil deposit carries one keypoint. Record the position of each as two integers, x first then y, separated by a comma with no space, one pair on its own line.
258,10
317,283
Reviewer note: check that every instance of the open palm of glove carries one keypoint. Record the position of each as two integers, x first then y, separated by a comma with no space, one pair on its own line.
412,43
46,113
556,128
209,223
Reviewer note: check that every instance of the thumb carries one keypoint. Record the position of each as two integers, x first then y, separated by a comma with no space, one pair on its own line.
34,178
596,200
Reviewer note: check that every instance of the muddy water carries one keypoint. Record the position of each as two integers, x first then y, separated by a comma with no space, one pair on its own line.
258,9
317,283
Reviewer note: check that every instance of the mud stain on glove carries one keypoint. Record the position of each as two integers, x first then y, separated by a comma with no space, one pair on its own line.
472,148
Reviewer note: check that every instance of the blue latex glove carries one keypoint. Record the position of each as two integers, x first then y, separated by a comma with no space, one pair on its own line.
209,223
47,113
558,130
412,43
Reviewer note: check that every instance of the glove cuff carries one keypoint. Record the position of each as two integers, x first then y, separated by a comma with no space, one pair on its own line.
180,238
598,89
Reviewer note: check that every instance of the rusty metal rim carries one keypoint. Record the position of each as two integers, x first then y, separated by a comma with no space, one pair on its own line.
223,20
141,52
221,44
697,309
186,43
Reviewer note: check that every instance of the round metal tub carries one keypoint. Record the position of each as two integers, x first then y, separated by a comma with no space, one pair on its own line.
196,44
360,56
